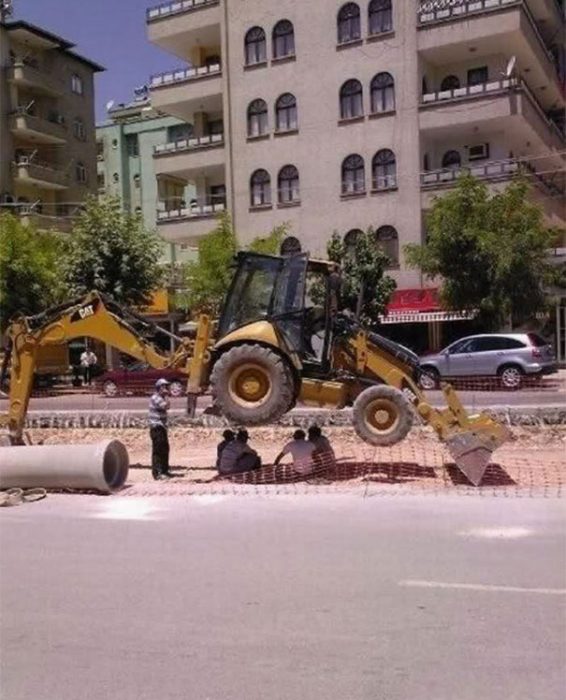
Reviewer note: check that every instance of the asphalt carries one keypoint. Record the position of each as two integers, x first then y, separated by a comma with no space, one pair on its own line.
247,598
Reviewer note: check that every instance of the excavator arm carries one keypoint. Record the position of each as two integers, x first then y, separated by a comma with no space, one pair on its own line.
98,317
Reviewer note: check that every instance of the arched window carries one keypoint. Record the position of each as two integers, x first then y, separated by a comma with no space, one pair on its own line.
384,170
349,25
380,16
257,118
452,160
80,172
353,174
388,240
288,185
290,246
286,112
382,93
255,46
283,39
350,240
450,82
351,99
260,187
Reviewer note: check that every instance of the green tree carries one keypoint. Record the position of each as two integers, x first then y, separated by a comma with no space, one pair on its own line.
30,269
489,249
208,278
112,252
366,289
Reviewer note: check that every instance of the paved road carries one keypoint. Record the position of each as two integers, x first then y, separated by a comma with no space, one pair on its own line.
247,598
552,396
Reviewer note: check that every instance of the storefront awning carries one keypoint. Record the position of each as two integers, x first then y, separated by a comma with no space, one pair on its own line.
420,306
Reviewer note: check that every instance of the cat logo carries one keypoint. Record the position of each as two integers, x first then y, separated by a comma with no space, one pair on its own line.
85,311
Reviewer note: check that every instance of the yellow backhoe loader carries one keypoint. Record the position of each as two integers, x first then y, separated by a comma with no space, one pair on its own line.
273,346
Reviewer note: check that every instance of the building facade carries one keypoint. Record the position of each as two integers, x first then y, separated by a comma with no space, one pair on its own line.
338,116
129,144
47,132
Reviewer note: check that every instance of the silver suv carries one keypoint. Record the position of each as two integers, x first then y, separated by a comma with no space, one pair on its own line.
509,356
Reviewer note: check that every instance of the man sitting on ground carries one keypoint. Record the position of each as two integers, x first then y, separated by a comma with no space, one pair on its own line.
228,436
237,456
324,454
302,452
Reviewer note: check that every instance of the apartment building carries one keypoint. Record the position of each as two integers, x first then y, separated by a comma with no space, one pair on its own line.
47,132
129,145
337,116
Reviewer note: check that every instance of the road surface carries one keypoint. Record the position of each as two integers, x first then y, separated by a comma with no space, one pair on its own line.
249,598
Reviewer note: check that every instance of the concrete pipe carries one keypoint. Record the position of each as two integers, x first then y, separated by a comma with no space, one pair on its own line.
100,467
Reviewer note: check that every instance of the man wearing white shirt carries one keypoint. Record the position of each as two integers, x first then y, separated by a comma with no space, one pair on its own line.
302,452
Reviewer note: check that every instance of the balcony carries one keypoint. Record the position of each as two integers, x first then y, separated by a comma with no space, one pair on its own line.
485,26
28,76
187,157
38,129
178,26
180,92
43,175
507,105
46,222
188,224
491,170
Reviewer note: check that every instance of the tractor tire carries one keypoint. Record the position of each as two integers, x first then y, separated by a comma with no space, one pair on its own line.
382,415
252,385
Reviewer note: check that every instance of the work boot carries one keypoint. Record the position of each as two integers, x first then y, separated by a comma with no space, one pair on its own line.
159,477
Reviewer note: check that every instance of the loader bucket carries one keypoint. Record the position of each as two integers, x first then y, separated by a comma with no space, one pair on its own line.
472,448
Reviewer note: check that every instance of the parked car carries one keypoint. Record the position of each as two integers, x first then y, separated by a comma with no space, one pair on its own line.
509,356
139,378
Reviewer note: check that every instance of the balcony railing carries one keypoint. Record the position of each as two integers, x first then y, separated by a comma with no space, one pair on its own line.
33,169
29,72
169,9
189,144
184,74
470,91
193,211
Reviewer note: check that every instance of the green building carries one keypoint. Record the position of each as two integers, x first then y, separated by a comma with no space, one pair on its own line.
126,144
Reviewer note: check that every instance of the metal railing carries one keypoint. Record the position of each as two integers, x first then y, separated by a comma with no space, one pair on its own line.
189,144
183,74
478,90
209,208
169,9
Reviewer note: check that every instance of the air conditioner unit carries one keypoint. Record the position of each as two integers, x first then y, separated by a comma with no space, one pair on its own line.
479,152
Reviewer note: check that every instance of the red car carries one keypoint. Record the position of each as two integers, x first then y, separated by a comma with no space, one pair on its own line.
139,378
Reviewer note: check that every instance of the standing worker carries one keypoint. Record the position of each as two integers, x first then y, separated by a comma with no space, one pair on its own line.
88,361
158,407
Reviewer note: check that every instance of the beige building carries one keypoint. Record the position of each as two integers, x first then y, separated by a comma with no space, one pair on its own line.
340,116
47,132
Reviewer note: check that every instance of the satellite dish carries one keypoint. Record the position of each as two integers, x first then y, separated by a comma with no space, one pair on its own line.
109,105
510,67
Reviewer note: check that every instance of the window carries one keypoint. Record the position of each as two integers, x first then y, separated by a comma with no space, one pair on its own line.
114,144
288,185
100,181
450,82
218,194
351,100
257,118
384,170
350,240
382,93
451,159
388,240
353,175
80,172
290,246
115,177
79,131
132,145
260,188
255,46
349,25
100,150
77,84
137,180
286,112
380,16
283,39
426,162
476,76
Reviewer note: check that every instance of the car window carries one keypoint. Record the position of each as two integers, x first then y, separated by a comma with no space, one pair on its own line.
137,367
459,346
511,344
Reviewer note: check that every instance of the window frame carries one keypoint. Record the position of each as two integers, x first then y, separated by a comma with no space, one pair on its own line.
393,259
260,55
254,115
384,10
287,39
353,177
81,174
382,93
384,167
288,111
261,179
346,23
77,84
288,185
350,99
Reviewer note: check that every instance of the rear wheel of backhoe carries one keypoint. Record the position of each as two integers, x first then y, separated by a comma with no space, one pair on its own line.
382,415
252,385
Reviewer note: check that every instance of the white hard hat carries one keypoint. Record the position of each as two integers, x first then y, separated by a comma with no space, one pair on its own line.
161,382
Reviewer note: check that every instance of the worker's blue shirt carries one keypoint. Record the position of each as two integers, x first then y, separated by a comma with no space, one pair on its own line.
158,406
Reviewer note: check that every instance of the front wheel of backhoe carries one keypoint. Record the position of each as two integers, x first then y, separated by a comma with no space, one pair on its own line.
252,385
382,415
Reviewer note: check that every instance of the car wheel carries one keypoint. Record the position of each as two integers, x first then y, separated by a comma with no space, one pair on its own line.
110,388
429,378
511,376
176,389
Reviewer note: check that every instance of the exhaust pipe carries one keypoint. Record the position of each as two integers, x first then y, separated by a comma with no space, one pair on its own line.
100,467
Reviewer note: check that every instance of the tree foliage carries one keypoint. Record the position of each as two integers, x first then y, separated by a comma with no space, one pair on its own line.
112,252
30,269
366,288
489,249
208,278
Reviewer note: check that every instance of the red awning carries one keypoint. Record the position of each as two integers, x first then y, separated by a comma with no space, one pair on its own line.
414,301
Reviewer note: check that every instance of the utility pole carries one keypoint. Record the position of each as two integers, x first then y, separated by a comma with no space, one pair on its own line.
6,9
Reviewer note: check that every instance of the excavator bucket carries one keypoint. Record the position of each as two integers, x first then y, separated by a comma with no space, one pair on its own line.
472,448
